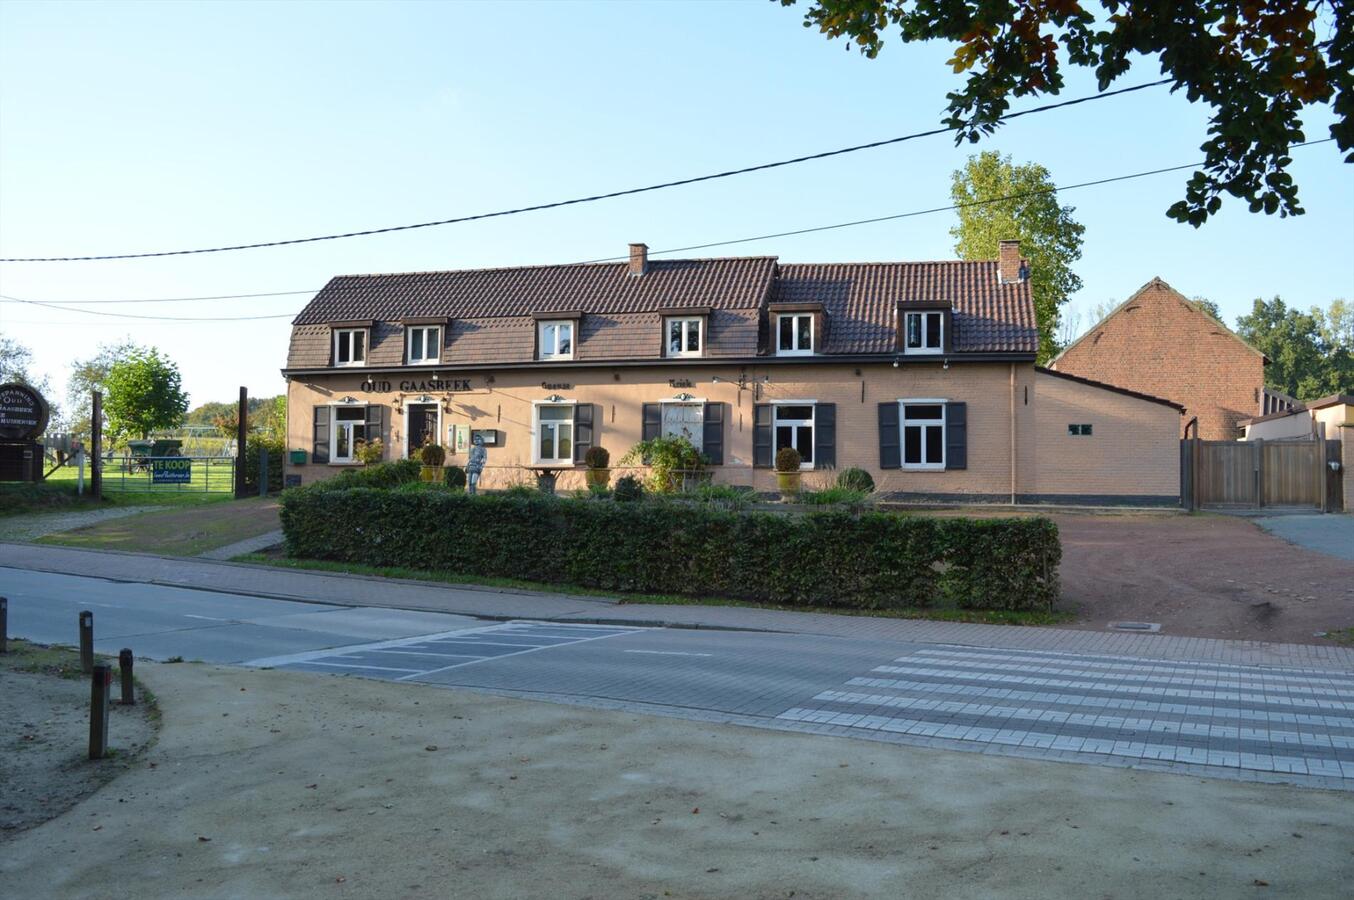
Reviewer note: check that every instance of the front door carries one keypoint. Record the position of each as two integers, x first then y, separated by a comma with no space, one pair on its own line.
422,426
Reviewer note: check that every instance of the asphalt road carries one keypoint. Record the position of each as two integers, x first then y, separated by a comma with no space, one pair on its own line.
1210,718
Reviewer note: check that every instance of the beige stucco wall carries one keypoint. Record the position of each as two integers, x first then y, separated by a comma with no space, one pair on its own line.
1133,448
1297,426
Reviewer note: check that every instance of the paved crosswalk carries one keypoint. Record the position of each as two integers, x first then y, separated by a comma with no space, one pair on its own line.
1246,718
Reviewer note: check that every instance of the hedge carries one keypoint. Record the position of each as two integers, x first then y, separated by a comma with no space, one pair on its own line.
873,560
276,459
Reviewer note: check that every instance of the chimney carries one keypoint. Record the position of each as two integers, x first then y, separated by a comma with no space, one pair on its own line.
1010,268
639,259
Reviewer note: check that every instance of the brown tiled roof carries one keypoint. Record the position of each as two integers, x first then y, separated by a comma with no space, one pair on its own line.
859,299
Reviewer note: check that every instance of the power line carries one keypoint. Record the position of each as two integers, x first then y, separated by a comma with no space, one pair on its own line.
178,299
593,198
97,312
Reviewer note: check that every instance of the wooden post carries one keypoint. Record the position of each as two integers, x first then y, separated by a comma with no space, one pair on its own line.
263,471
242,426
87,641
1322,471
1194,466
4,623
96,446
1260,473
101,684
125,662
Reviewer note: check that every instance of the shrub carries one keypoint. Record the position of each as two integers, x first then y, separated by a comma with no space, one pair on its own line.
455,477
874,560
369,453
834,496
854,479
667,456
381,475
628,489
277,451
521,490
432,454
597,458
788,460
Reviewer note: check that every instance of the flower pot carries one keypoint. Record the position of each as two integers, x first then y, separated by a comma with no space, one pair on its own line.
431,474
597,478
788,482
545,482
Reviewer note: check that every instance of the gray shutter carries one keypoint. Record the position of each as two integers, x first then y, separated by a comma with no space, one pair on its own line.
319,453
375,423
956,435
582,430
890,437
825,436
762,438
712,435
652,425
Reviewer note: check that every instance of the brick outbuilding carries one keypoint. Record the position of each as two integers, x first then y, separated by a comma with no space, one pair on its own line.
1161,343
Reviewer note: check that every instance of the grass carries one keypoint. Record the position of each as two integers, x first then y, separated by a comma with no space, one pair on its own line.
21,497
985,617
38,659
176,532
1344,636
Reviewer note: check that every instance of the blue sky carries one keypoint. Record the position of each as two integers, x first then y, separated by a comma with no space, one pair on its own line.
137,127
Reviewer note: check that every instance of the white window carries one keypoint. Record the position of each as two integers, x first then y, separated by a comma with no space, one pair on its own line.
684,337
925,332
686,420
350,346
794,334
794,428
555,433
556,340
349,431
425,344
923,424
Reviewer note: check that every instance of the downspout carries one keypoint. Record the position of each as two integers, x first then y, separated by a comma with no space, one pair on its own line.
1013,436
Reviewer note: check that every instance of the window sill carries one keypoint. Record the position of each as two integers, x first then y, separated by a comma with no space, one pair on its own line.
929,467
918,351
425,362
794,353
351,365
344,463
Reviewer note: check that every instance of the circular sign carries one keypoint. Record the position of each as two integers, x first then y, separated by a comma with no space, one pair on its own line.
23,413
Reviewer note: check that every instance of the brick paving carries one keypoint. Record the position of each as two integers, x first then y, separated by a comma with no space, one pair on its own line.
248,545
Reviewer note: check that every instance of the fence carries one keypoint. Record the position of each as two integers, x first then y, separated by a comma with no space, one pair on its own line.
1254,473
169,474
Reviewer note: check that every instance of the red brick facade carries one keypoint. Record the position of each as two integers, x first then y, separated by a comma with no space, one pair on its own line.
1160,343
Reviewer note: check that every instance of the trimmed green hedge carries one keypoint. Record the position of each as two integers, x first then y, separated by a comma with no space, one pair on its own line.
873,560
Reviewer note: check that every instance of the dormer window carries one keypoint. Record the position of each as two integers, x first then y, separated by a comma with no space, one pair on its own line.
350,346
794,334
424,344
685,336
555,339
925,332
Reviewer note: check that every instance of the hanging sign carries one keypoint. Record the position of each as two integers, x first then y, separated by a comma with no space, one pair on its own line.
23,412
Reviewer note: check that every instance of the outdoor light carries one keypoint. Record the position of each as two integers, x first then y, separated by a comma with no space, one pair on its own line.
554,398
348,400
895,363
945,364
424,398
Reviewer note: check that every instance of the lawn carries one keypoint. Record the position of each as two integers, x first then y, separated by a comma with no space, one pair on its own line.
181,531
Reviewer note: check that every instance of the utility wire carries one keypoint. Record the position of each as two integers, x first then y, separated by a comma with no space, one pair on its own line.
97,312
176,299
595,197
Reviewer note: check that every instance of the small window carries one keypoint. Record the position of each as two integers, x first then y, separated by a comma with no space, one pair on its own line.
425,344
555,433
794,425
925,332
348,434
794,334
684,337
556,340
350,347
1079,430
685,420
923,424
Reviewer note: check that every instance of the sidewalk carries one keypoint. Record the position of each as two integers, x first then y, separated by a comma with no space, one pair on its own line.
357,590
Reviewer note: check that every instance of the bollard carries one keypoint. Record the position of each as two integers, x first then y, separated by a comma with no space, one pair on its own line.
101,685
87,641
4,622
125,669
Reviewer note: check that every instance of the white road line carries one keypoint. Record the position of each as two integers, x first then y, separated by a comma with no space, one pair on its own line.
208,618
667,653
316,662
599,637
421,653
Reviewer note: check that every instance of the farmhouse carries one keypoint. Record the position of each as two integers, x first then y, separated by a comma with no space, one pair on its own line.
921,373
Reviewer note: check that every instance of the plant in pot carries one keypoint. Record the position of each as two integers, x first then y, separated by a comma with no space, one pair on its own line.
671,459
369,453
432,456
597,474
788,474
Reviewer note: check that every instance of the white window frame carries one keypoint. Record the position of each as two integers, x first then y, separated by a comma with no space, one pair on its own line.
351,458
542,352
409,450
931,423
687,323
699,441
794,330
423,330
924,349
536,428
340,334
804,465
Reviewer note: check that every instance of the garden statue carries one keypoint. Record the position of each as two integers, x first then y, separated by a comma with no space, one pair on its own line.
475,466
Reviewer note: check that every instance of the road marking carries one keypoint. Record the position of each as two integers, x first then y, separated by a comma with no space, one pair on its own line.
347,665
667,653
582,640
208,618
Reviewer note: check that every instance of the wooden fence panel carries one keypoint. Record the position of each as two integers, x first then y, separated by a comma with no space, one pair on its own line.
1227,474
1258,473
1293,474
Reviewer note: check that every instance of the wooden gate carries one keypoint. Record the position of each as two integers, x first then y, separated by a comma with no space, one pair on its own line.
1254,473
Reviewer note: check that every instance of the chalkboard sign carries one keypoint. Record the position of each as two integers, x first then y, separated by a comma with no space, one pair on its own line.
23,413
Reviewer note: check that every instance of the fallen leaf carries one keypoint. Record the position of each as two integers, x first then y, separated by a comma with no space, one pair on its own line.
98,828
1258,883
430,747
311,786
695,811
203,839
340,880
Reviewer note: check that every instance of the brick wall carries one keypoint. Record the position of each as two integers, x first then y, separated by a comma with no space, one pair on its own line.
1158,343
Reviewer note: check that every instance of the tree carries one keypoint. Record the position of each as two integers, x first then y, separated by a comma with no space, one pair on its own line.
1257,65
145,393
15,358
1048,235
1208,306
1307,357
90,375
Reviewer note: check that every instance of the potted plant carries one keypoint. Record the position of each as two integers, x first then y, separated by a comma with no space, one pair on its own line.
432,455
788,474
369,453
670,458
597,473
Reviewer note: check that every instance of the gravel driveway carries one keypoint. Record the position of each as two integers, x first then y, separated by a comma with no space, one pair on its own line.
1329,534
33,526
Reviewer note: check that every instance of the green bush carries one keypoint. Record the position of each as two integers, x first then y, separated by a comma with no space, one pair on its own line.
381,475
277,451
597,458
455,477
873,560
432,454
834,496
628,489
788,460
668,457
854,479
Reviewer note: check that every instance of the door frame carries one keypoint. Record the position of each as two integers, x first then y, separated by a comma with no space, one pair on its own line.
407,434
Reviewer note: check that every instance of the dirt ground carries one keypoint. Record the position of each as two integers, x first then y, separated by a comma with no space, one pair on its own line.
1206,576
44,745
273,784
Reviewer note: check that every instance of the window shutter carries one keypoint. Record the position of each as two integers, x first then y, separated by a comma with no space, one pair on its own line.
582,430
375,423
956,435
761,436
712,435
320,451
652,425
890,438
825,436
